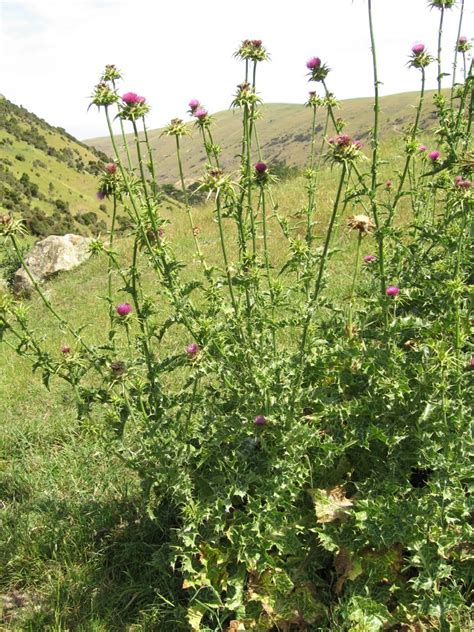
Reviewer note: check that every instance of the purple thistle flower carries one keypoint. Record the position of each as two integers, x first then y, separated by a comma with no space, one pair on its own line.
193,105
434,155
257,43
465,184
392,290
470,364
192,350
388,185
111,167
417,49
260,168
260,420
100,195
462,39
312,63
343,140
370,258
65,349
123,309
200,113
131,98
422,148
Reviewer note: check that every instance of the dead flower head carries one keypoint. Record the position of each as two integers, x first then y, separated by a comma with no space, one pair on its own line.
362,223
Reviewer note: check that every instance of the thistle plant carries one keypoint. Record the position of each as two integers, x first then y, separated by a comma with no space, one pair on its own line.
279,431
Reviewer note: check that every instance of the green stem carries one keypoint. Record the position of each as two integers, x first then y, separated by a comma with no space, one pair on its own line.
322,265
354,279
188,206
414,132
440,33
456,50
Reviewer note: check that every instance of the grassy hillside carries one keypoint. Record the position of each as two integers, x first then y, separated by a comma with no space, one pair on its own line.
47,177
284,133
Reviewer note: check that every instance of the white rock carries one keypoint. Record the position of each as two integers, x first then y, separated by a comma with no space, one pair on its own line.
49,256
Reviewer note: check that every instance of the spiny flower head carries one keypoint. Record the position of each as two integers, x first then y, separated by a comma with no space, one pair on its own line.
260,420
103,95
370,258
177,127
419,57
132,98
388,185
111,73
343,148
245,95
422,148
123,309
317,70
253,50
441,4
314,100
193,105
65,349
134,107
463,44
434,155
260,167
392,290
111,168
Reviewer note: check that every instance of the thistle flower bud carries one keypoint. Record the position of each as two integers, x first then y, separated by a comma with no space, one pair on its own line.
111,168
200,114
103,95
260,167
370,258
111,73
260,420
463,44
192,350
117,367
123,309
434,155
420,57
318,70
392,290
388,185
193,105
65,349
253,50
422,148
314,62
417,49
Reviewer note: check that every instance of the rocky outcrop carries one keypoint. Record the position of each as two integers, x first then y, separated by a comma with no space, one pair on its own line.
49,256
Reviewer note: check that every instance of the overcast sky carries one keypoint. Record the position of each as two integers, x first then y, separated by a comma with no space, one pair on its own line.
52,52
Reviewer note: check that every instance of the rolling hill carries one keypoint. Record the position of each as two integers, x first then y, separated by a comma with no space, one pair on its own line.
48,177
284,133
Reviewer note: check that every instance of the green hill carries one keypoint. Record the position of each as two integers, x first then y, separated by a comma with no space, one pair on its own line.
284,133
48,177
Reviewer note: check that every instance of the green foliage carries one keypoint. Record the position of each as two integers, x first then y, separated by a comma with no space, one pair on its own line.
303,458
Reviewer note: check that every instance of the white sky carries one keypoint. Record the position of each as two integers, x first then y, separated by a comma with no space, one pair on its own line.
52,52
